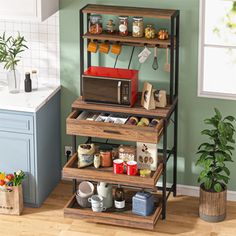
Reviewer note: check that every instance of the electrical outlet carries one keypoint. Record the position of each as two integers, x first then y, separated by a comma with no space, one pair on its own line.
68,148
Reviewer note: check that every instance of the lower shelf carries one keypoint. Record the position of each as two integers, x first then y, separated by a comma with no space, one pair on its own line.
110,217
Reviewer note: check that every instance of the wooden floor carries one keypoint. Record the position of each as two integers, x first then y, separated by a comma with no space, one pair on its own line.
182,219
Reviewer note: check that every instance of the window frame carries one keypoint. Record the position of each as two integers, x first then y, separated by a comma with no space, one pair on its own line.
201,58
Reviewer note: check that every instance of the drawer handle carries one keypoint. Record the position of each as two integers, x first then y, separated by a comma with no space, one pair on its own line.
111,132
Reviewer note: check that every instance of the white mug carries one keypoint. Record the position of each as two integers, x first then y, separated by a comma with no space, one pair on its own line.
97,203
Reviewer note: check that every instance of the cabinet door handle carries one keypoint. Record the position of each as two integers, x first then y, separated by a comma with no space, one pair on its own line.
111,132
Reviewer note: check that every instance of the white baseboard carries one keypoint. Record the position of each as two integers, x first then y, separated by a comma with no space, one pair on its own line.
193,191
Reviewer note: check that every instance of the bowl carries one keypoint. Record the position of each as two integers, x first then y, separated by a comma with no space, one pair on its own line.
85,189
83,201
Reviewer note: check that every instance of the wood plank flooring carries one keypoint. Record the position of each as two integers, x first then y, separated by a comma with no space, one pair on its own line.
182,220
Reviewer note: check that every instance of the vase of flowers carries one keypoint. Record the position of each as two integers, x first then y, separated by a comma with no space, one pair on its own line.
10,50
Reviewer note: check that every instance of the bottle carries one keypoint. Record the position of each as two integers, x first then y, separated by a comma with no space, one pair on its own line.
34,80
28,83
119,201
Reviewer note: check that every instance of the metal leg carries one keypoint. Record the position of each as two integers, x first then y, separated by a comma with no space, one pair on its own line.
164,171
175,152
88,53
74,185
172,51
81,16
74,144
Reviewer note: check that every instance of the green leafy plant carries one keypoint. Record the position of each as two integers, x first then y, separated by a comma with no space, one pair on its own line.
10,48
215,153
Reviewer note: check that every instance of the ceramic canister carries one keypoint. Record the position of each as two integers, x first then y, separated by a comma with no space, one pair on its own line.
105,190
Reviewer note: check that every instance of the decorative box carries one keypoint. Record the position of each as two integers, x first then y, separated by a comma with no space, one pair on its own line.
147,155
143,204
127,153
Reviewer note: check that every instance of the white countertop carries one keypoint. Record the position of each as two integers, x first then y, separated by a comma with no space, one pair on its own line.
26,102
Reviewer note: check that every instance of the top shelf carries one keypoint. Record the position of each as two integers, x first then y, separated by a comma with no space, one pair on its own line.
137,109
130,11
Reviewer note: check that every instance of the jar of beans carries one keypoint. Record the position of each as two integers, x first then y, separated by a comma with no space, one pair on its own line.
138,27
123,25
95,24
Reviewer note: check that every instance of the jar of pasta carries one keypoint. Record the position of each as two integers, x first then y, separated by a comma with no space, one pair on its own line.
150,32
123,25
95,24
138,27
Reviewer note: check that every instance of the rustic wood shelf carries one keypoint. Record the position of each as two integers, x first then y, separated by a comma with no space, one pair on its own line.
111,217
129,40
81,127
71,171
137,109
113,131
130,11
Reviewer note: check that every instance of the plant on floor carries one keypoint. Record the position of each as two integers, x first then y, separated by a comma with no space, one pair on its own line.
216,153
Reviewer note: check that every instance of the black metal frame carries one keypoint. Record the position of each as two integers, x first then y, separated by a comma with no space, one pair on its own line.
173,90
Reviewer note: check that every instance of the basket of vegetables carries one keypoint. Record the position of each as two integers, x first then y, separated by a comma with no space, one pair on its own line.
11,194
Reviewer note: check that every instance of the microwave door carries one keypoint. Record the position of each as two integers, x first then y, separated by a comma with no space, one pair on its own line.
102,90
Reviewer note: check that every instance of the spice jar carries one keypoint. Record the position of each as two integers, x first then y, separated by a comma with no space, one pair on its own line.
106,156
150,32
123,25
110,27
138,27
95,26
163,34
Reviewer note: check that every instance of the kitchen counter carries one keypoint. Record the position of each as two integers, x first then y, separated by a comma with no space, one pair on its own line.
27,102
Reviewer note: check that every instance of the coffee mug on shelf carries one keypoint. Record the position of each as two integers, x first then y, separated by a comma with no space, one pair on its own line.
132,168
97,203
118,166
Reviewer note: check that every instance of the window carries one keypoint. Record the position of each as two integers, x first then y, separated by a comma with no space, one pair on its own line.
217,49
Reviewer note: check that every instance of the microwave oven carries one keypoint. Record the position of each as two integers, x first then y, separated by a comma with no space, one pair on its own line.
112,86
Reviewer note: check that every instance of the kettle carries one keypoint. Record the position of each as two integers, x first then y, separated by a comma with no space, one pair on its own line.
105,190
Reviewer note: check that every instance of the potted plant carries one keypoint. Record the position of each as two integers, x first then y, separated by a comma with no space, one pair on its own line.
10,50
214,177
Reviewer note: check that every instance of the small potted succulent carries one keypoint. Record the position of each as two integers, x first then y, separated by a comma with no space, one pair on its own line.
214,177
10,50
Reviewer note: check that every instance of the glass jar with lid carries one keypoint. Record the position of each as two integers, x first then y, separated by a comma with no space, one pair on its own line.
150,32
95,24
123,25
138,27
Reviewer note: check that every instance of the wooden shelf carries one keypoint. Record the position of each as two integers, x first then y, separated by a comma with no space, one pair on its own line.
129,40
130,11
111,217
71,171
137,109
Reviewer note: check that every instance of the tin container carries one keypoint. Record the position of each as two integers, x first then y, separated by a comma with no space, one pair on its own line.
143,204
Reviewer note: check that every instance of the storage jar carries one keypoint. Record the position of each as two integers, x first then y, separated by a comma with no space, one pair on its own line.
150,32
143,204
95,24
123,25
138,27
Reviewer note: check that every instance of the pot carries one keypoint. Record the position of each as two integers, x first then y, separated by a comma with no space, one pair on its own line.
212,205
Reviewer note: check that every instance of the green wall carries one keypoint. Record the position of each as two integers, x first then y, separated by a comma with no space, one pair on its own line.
192,109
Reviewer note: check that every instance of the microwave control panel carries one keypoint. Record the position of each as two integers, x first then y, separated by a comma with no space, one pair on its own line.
125,94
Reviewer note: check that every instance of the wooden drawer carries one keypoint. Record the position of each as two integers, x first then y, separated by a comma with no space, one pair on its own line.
112,131
14,122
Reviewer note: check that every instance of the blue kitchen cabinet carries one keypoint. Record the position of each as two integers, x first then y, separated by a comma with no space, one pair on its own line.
31,142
